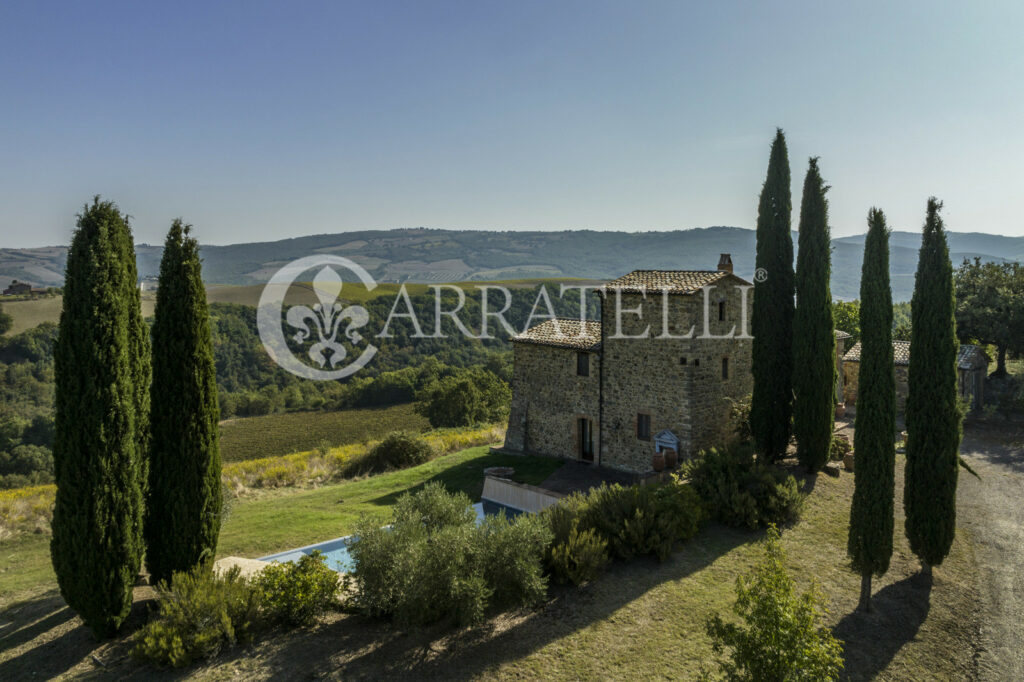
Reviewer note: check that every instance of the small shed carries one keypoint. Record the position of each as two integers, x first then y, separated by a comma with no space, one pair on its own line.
971,369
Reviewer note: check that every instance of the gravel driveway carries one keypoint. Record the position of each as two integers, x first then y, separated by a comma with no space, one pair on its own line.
992,511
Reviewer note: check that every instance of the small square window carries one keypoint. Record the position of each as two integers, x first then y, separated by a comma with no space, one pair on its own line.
643,426
696,362
682,361
583,364
725,368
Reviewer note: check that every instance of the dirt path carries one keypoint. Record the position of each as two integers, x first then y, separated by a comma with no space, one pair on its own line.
992,511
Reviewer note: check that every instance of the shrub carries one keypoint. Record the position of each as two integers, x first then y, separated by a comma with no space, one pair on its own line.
384,559
618,521
398,450
781,638
297,593
511,555
448,581
739,415
435,564
435,507
641,520
197,615
579,558
738,491
840,446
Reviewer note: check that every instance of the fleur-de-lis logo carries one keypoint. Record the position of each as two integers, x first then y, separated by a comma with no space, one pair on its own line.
320,324
326,317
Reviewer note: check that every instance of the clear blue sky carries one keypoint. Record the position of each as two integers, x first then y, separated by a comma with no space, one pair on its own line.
260,121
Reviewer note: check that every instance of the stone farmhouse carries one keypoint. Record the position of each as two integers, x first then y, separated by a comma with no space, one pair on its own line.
971,369
601,391
17,288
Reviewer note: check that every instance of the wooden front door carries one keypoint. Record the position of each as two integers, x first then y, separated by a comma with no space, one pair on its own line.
585,432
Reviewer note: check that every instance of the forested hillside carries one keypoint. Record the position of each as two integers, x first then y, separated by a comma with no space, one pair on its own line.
250,384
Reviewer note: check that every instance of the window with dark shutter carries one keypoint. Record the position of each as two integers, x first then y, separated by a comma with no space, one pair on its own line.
721,311
583,364
643,426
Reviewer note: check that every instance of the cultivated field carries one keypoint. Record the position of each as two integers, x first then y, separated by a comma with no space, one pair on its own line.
278,434
31,312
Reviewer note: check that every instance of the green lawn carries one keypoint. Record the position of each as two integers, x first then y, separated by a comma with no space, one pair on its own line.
289,517
297,518
281,434
25,564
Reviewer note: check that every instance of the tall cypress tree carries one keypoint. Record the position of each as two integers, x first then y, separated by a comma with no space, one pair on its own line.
772,319
814,367
102,373
932,412
184,501
871,514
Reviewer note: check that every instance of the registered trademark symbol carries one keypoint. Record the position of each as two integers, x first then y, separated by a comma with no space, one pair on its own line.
760,275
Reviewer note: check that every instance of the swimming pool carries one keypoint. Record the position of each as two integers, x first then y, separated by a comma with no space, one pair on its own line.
336,551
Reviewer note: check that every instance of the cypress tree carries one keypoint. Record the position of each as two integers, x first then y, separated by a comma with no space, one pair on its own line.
814,366
772,318
871,514
184,500
102,391
932,410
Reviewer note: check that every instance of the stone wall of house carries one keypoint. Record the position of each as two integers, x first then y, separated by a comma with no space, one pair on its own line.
851,374
676,381
901,388
851,371
548,398
840,351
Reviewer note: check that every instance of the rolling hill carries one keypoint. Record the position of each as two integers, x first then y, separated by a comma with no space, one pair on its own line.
426,255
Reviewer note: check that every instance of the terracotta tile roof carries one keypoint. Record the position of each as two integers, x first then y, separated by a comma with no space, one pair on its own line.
564,333
900,353
969,356
676,281
840,334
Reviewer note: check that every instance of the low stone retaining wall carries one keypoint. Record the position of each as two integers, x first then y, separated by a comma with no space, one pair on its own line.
528,498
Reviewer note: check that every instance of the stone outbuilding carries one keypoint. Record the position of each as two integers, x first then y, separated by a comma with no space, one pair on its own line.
971,368
671,351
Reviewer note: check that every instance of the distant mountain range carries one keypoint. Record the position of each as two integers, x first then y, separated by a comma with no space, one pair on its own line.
428,255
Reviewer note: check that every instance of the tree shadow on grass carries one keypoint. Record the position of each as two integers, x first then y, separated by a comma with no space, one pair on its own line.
871,640
25,620
377,650
981,444
62,640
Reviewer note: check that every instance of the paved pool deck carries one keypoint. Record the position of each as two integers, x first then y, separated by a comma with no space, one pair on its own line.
574,477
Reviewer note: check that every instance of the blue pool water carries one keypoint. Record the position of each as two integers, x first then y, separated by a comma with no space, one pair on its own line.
336,551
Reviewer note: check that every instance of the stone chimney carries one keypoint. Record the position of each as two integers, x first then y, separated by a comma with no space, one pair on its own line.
725,263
